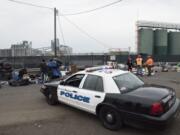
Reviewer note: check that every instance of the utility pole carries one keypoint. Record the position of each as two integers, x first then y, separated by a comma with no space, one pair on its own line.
129,50
55,43
55,15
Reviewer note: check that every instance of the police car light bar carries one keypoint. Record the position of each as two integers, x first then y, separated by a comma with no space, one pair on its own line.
98,68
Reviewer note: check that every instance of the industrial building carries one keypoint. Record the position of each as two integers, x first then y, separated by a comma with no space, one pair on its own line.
61,49
158,38
65,50
22,49
5,53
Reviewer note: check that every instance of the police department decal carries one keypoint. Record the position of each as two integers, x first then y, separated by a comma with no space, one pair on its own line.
75,96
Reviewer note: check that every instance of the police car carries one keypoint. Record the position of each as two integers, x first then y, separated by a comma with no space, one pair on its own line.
117,97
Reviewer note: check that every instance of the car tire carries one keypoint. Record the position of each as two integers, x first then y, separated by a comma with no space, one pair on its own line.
110,118
52,98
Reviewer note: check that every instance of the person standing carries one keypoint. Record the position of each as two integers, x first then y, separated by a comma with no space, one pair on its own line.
129,63
44,71
53,65
139,63
149,63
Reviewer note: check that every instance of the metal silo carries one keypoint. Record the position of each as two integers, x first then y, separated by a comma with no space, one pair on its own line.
160,42
174,43
145,41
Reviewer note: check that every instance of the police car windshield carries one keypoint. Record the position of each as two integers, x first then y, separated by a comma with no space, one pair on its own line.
127,82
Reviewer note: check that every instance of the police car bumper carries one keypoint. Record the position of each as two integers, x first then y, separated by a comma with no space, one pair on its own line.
43,89
153,122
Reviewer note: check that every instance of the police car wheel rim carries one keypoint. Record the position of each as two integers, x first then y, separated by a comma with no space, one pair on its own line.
50,96
109,118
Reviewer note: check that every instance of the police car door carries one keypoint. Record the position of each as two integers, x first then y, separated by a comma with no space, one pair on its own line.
93,89
68,92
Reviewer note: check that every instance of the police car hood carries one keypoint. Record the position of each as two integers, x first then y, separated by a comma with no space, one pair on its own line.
54,83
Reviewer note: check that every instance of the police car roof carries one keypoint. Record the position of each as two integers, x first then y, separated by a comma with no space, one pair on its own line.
104,72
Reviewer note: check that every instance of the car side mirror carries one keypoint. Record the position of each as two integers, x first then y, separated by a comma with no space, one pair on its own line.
62,82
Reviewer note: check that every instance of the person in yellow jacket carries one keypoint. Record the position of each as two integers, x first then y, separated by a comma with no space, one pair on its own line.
139,64
149,63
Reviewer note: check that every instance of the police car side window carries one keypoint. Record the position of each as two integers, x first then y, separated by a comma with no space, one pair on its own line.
94,83
75,80
99,85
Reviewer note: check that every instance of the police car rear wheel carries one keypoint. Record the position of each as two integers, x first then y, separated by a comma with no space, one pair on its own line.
51,98
110,118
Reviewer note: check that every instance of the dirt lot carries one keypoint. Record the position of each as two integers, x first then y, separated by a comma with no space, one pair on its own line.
24,111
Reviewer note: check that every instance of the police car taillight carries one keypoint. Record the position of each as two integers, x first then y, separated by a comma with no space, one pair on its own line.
156,109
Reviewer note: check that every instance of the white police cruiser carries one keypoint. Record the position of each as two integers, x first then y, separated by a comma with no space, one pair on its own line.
117,97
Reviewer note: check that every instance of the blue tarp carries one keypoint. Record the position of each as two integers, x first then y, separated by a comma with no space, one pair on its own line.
54,67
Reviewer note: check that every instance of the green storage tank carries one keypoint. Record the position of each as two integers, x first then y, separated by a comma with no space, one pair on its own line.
160,42
145,41
174,43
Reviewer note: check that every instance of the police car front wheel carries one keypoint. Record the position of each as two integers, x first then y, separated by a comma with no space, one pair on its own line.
110,118
51,98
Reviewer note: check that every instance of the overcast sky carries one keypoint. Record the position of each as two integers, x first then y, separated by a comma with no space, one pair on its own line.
114,25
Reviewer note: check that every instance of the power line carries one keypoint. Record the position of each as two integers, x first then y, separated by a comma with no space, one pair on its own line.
61,30
39,6
71,14
91,10
64,15
87,34
30,4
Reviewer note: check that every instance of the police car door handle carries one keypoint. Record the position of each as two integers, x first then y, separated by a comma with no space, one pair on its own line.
96,96
74,91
